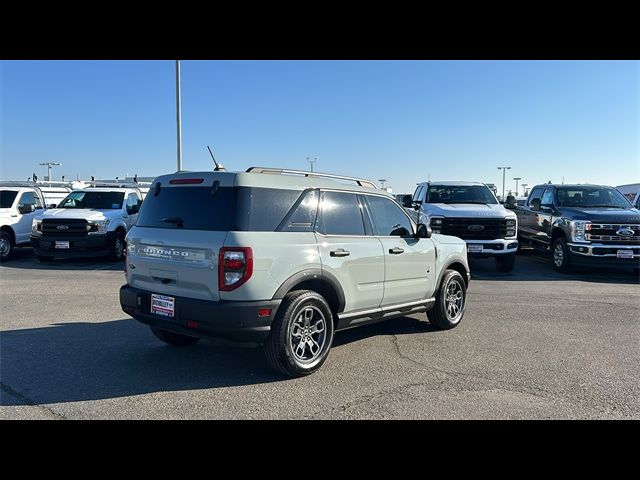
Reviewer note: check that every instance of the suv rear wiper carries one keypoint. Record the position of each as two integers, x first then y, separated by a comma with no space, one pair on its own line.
177,220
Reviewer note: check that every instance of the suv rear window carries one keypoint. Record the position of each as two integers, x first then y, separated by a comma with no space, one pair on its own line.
221,209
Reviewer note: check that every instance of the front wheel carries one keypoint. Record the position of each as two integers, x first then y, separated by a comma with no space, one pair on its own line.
505,263
450,301
561,255
117,248
6,246
301,334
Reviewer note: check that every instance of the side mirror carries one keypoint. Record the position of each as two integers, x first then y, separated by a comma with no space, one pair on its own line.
28,208
133,209
535,204
53,205
511,202
407,201
423,231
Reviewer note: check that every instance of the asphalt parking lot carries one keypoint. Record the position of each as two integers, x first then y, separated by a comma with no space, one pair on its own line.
534,344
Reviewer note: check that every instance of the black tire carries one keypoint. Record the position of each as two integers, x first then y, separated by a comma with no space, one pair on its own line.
560,255
6,246
174,339
442,315
295,319
44,258
505,263
117,247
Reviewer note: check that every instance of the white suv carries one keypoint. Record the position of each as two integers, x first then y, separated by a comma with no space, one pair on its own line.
90,222
283,258
470,211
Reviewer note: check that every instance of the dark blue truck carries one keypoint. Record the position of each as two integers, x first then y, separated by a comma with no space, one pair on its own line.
581,224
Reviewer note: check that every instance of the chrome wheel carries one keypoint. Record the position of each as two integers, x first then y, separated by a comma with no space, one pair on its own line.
5,246
308,334
454,300
558,255
118,248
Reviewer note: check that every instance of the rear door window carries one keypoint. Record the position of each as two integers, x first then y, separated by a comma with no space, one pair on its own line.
340,214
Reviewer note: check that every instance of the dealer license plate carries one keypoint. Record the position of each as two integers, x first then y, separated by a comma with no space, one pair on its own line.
62,244
625,254
163,305
474,248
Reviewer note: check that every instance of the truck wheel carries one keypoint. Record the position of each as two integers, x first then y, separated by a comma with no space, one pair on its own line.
301,334
6,246
44,258
450,302
174,339
561,255
505,263
117,248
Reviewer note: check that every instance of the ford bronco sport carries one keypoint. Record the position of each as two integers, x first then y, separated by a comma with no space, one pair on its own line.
283,258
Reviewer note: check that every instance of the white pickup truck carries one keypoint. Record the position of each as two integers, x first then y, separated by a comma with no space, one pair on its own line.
20,204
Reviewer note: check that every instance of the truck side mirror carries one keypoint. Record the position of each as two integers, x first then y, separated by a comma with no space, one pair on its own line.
423,231
53,205
407,201
511,202
28,208
535,204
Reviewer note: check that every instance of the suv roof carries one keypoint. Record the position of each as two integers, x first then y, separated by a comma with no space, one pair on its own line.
450,183
272,178
570,185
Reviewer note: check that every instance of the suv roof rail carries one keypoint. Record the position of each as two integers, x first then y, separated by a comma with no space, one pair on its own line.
285,171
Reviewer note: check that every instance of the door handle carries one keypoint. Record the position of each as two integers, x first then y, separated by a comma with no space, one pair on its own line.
341,252
396,250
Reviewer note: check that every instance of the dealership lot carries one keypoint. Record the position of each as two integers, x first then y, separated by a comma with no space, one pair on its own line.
533,344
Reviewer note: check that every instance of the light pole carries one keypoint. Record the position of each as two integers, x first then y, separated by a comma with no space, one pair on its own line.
179,115
382,180
524,189
504,170
517,179
311,162
49,165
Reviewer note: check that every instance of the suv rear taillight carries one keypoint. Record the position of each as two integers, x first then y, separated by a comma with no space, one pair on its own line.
235,267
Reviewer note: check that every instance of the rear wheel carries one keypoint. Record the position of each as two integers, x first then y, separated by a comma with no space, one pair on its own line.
301,334
450,301
117,248
505,263
6,246
561,255
174,339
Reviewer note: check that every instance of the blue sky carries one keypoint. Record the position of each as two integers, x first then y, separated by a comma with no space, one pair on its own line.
398,120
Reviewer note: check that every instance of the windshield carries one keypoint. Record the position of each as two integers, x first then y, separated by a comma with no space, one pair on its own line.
591,197
93,200
6,198
460,194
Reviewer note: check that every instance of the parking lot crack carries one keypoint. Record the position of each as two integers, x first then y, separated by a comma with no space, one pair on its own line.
29,402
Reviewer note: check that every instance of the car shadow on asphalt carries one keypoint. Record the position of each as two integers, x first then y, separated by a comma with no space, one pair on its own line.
23,258
534,266
71,362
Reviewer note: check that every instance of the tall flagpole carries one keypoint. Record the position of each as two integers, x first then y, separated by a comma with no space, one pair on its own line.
179,115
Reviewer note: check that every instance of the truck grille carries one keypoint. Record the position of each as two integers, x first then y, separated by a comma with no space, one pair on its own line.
75,227
492,228
609,233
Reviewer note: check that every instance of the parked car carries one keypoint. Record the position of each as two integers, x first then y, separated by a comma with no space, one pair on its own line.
90,222
284,259
581,224
470,211
20,204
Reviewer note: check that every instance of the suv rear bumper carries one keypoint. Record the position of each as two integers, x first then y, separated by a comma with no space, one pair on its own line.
493,248
87,246
236,321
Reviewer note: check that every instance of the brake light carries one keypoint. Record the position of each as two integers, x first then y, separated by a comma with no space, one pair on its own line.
186,181
235,267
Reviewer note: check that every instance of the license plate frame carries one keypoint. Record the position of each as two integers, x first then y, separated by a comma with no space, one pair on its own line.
624,254
62,244
163,305
474,248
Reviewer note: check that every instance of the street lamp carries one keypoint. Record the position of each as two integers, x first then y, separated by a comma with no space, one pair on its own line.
311,162
49,165
504,170
524,189
382,180
516,179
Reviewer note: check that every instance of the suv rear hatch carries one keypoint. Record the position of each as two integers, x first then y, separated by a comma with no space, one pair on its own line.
183,223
